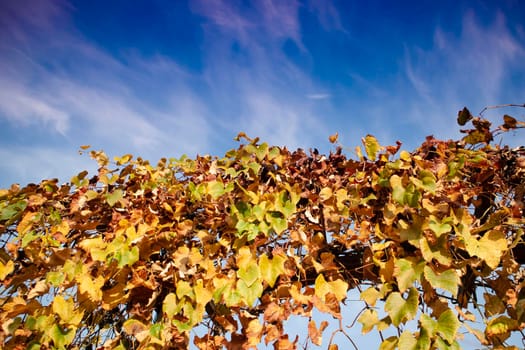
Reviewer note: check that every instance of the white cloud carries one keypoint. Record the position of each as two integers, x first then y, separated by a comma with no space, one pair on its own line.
472,69
318,96
24,108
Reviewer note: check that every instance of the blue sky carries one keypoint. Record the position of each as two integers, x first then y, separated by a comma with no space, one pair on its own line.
163,78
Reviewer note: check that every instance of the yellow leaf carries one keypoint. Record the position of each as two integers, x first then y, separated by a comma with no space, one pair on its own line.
136,328
202,294
86,285
27,222
325,194
6,269
244,258
65,309
40,288
337,287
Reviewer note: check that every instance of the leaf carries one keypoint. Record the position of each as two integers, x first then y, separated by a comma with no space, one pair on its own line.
251,293
407,341
448,325
61,337
337,287
400,309
127,257
372,147
277,221
202,294
368,319
447,280
114,197
333,138
439,228
509,122
370,296
464,116
6,269
12,211
489,248
86,285
407,272
316,334
428,324
215,188
249,274
501,327
135,328
389,343
271,269
169,305
67,311
325,194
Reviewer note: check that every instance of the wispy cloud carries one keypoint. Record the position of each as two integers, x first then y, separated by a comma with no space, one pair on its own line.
265,88
68,87
318,96
473,69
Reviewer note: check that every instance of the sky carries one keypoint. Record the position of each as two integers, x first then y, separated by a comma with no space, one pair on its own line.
164,78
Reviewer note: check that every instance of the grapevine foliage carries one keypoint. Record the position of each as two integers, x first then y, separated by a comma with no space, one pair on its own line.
138,255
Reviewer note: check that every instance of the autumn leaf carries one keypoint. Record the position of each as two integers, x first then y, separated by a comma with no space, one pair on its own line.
316,334
447,280
399,309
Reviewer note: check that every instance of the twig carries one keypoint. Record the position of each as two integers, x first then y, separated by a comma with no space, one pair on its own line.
500,106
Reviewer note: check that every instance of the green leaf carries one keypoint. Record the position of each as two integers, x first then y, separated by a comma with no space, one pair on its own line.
399,309
438,251
370,296
372,147
127,257
407,272
249,294
277,221
12,211
215,188
389,343
156,330
368,319
67,311
407,341
448,325
442,344
184,288
271,269
30,237
250,274
447,280
61,337
398,191
489,248
428,324
114,197
439,228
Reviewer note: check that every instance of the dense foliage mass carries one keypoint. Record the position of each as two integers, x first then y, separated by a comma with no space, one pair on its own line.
138,255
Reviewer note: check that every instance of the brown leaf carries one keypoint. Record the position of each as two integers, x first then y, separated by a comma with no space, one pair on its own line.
316,334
